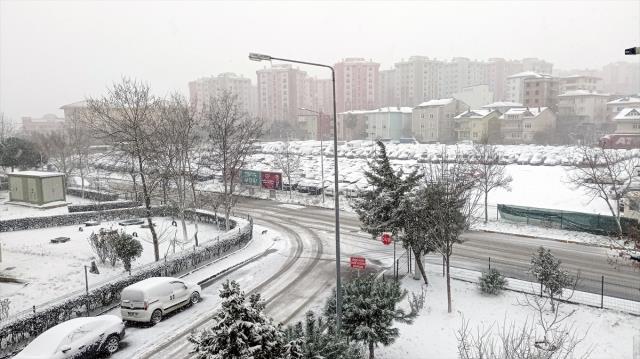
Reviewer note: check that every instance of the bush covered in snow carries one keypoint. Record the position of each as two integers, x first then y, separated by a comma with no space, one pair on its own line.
92,194
492,282
102,206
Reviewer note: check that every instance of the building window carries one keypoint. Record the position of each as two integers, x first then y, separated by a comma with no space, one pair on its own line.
636,126
422,115
527,125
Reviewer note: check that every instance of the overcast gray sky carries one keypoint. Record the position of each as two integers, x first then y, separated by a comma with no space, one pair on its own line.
58,52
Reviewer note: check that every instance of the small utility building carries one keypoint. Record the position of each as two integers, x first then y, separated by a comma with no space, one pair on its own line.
35,188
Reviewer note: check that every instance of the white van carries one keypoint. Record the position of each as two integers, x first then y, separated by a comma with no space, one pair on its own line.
149,300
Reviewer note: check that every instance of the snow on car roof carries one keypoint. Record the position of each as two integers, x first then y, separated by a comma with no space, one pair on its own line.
150,283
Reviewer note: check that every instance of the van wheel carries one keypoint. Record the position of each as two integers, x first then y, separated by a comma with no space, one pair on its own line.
112,344
156,317
195,298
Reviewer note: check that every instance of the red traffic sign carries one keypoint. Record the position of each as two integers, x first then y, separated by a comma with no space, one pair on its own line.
386,238
358,262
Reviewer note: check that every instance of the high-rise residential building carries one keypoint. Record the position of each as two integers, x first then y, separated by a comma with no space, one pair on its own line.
387,95
433,120
621,78
356,84
498,70
516,85
320,95
537,65
475,96
419,79
540,91
280,93
202,90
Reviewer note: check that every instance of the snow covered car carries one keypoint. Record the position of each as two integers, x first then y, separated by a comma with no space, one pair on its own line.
77,338
150,299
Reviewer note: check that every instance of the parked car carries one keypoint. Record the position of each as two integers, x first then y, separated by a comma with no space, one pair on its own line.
151,299
77,338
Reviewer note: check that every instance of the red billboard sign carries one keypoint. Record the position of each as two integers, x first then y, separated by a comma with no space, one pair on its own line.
271,180
358,262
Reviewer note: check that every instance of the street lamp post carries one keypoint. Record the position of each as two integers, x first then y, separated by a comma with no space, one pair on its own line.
319,117
262,57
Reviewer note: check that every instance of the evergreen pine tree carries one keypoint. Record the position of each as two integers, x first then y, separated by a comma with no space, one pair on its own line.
370,309
546,268
316,338
241,330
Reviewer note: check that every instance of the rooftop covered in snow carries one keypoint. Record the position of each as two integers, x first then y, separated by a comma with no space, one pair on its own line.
629,113
524,112
582,93
624,100
475,114
434,103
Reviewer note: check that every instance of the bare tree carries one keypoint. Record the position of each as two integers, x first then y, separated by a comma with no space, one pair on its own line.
231,134
79,140
489,173
545,337
605,174
127,118
7,128
175,148
56,145
287,161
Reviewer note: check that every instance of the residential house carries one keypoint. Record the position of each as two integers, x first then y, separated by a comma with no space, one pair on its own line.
391,123
521,125
478,125
628,120
432,121
614,107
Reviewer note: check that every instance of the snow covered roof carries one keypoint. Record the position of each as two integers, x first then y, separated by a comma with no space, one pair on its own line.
391,109
624,100
629,113
40,174
527,74
440,102
354,112
525,112
82,103
582,93
482,113
502,104
150,283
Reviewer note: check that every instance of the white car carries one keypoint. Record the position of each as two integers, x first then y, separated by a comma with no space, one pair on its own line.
77,338
151,299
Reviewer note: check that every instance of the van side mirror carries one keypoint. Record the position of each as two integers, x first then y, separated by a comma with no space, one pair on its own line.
65,348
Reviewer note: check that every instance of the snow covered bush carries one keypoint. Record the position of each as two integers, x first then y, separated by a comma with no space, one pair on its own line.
92,194
99,246
370,308
241,329
102,206
492,282
126,249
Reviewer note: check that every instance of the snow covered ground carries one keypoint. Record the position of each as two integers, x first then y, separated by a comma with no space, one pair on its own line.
53,270
10,211
433,334
542,232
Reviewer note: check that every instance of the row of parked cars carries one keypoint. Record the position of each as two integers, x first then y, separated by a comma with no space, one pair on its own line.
147,301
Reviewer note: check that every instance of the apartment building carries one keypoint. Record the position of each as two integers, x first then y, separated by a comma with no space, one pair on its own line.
389,123
433,120
579,82
356,84
537,65
280,93
589,106
475,96
352,125
387,95
522,125
615,106
478,125
46,124
202,90
516,85
621,78
540,91
498,69
628,120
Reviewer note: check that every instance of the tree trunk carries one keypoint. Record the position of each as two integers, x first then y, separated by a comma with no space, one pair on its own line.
419,265
486,207
371,351
195,204
448,284
147,203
